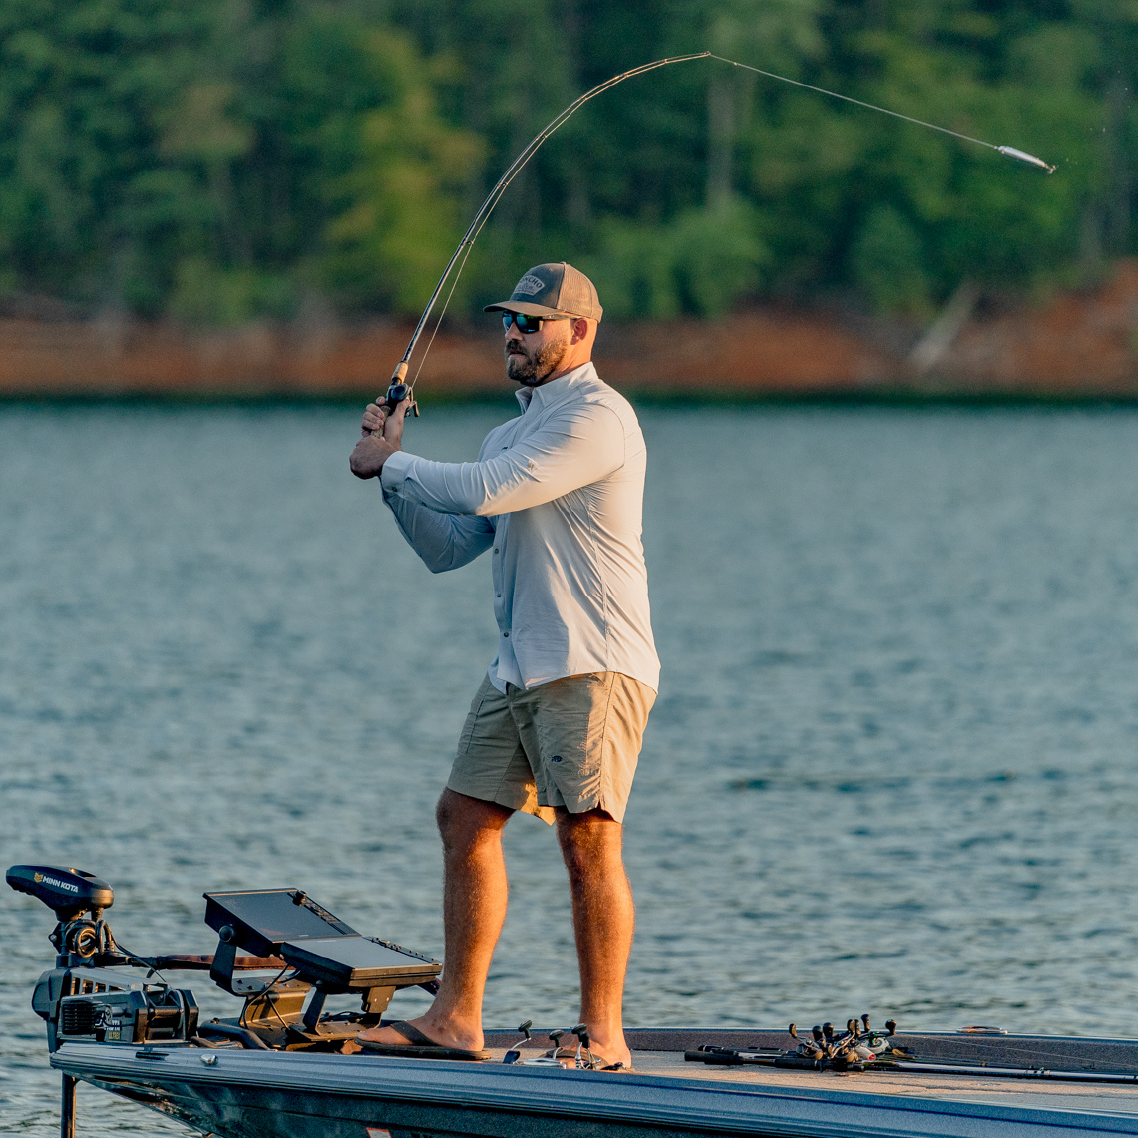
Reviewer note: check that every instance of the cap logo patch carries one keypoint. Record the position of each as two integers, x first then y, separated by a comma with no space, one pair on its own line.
529,285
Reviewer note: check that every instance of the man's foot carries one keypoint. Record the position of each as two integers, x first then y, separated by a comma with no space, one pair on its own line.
441,1034
620,1063
415,1044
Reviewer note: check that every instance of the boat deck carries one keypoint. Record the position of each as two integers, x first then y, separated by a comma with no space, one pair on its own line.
1118,1098
661,1052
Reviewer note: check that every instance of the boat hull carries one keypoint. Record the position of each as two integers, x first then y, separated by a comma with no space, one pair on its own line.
260,1094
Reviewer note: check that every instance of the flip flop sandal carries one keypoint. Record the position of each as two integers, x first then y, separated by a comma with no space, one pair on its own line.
419,1046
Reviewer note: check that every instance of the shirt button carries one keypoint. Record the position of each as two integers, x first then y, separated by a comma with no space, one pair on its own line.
499,596
495,551
505,634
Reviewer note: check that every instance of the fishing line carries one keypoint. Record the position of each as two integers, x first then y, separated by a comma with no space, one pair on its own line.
400,389
1007,151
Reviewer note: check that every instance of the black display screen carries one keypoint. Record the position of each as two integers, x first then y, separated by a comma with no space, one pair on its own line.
265,918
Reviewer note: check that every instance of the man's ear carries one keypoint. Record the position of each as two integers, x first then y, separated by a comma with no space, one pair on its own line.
579,329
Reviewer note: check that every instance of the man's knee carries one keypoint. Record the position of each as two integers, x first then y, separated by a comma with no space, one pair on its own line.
589,840
463,821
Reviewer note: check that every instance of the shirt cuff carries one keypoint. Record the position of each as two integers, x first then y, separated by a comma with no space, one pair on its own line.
395,471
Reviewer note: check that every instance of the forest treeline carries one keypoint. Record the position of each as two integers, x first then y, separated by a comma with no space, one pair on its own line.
219,161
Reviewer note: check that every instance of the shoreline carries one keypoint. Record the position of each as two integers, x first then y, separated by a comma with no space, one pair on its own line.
1078,346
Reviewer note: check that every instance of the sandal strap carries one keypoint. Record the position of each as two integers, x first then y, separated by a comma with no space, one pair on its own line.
413,1035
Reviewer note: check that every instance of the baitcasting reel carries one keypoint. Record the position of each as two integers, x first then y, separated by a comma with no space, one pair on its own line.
399,390
845,1052
857,1044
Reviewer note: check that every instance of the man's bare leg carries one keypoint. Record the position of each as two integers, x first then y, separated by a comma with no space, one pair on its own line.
475,893
603,921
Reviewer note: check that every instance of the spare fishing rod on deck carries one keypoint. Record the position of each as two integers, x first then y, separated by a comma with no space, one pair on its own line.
400,389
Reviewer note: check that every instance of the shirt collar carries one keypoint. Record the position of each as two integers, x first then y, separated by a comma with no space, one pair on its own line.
540,397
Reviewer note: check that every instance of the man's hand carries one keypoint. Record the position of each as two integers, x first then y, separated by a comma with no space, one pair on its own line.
382,437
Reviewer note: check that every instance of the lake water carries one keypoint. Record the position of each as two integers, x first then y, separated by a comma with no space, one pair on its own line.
892,767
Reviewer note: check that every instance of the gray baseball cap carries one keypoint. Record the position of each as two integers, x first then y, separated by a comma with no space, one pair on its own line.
553,289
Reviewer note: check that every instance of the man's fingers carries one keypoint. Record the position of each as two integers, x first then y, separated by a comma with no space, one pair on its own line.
373,418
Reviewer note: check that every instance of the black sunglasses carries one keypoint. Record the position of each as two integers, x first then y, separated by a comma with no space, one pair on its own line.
527,324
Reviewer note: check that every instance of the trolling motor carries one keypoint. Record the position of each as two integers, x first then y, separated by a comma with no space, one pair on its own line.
85,998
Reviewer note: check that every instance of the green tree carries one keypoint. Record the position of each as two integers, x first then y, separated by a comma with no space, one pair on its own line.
219,160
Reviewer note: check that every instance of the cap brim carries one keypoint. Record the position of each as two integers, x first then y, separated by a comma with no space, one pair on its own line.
528,309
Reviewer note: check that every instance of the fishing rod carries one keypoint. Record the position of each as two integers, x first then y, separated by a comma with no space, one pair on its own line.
400,389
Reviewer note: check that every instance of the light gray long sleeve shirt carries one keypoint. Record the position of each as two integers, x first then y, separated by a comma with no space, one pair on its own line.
557,495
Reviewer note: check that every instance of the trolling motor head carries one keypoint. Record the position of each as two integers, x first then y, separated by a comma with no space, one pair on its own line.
68,891
71,893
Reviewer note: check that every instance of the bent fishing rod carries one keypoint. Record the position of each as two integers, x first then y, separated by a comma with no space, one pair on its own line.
400,389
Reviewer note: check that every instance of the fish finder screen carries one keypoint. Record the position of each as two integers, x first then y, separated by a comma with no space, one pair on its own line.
265,919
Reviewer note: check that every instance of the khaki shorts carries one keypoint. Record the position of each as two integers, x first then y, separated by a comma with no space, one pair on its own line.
573,743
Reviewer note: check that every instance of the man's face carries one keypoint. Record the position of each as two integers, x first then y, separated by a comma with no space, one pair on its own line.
532,357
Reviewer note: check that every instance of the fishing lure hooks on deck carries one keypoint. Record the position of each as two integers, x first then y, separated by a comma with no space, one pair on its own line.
400,389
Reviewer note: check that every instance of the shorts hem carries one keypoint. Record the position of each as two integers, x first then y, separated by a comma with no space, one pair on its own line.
507,801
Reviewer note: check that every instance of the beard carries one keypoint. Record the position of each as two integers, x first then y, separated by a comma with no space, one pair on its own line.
531,368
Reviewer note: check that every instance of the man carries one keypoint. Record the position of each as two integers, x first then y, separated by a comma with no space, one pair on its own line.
555,728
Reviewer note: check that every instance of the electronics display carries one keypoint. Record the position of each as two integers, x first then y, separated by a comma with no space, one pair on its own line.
323,949
348,963
264,919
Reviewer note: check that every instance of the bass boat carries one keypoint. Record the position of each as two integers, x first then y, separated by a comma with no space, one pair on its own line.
285,1067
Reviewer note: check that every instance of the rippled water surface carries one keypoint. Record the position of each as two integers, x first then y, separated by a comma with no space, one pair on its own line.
892,765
